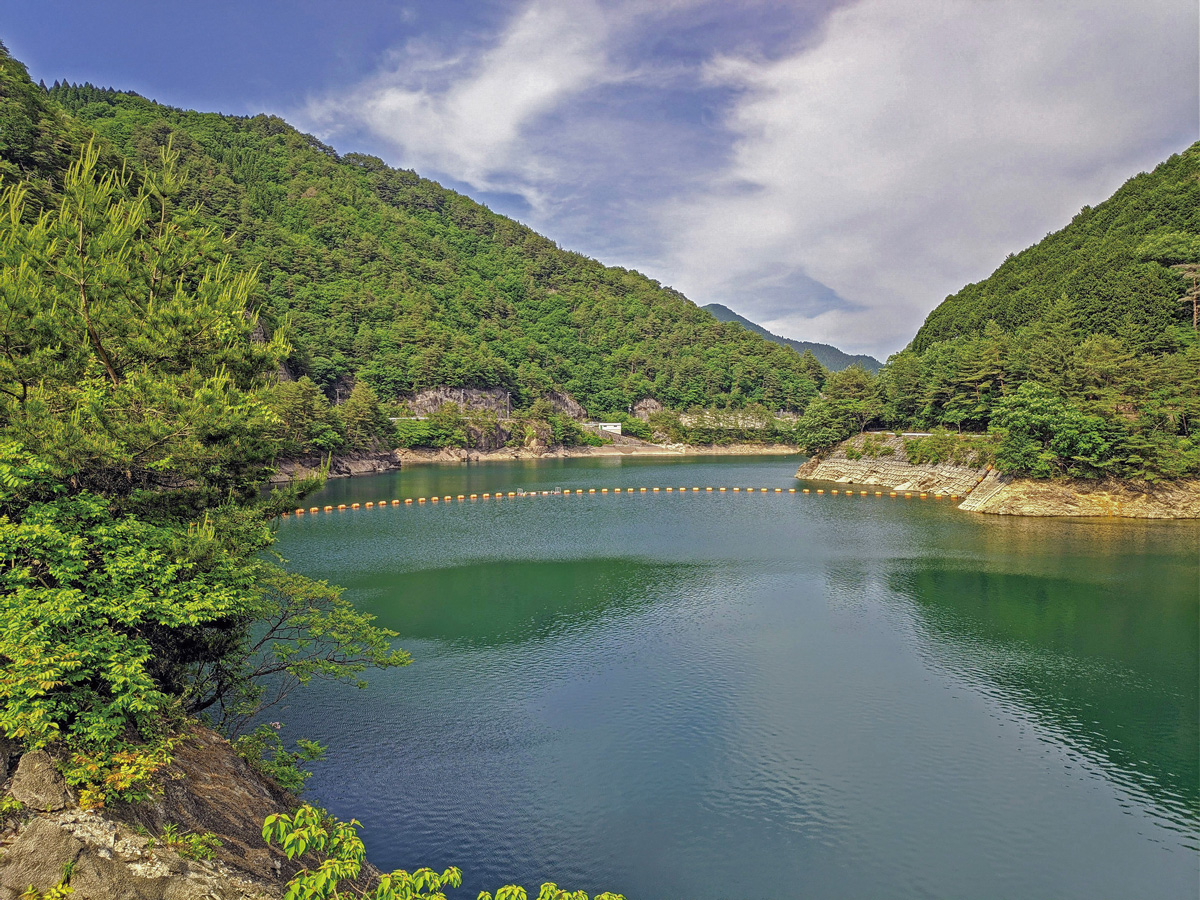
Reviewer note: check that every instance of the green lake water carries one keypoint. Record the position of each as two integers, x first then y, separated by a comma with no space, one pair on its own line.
760,696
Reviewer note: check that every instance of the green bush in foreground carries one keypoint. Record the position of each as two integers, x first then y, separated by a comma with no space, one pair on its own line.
338,853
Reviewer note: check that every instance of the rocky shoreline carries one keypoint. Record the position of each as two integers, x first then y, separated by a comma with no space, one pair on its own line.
984,490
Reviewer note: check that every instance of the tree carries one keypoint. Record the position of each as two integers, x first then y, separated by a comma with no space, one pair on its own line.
134,436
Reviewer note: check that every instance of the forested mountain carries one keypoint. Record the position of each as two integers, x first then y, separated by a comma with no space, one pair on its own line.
1099,263
386,277
1079,356
827,355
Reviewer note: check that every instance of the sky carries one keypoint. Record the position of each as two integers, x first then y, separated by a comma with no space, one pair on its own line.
831,170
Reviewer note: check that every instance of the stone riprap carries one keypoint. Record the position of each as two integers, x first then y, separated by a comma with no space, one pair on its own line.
986,491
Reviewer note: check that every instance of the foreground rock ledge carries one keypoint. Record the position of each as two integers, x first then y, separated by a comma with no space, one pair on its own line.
110,852
987,491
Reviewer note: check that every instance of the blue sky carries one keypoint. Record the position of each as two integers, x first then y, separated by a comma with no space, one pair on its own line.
831,170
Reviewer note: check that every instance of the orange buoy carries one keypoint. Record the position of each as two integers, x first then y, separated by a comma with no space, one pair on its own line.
512,493
806,490
708,489
313,509
737,490
616,490
591,490
779,490
833,492
408,501
341,506
892,494
328,509
863,493
656,490
641,490
670,489
369,504
822,490
922,495
461,497
791,490
722,490
299,512
879,493
604,490
446,498
907,495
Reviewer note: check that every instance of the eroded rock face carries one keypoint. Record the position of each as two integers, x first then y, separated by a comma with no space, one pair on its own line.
113,854
38,784
646,407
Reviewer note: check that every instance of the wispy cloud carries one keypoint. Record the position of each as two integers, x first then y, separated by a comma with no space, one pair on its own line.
917,143
830,170
467,114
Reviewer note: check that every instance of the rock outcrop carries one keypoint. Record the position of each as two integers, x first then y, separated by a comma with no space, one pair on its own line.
120,853
340,466
987,491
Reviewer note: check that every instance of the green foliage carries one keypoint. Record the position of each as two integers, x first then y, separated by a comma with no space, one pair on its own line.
549,891
364,423
1044,436
263,749
134,436
943,446
304,422
190,844
336,853
129,363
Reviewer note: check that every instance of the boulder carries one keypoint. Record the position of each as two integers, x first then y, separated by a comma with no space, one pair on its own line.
38,784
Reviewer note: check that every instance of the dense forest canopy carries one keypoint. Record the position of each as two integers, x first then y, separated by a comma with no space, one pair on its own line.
388,278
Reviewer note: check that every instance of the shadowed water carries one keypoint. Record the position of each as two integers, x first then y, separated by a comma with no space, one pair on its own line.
723,695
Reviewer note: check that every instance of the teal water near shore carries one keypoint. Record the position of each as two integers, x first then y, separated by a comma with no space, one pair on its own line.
779,695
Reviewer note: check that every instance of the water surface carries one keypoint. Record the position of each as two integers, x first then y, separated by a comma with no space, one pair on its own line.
780,695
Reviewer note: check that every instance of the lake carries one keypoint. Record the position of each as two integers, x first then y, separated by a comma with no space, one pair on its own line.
732,695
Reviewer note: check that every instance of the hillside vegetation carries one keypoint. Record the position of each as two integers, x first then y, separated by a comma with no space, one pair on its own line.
390,279
1080,355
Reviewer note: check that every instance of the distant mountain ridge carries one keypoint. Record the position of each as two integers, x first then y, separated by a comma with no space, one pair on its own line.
827,355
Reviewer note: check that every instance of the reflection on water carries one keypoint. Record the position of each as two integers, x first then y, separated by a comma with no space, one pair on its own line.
766,696
1114,678
526,601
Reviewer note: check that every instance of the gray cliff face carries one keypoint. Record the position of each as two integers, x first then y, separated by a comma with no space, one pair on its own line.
982,489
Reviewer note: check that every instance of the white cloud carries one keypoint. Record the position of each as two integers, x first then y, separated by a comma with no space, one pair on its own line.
894,153
918,142
466,114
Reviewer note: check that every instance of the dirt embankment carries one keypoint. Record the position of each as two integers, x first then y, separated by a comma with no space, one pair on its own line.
985,490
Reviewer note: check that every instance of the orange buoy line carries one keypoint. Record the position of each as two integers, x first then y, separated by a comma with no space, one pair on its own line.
500,495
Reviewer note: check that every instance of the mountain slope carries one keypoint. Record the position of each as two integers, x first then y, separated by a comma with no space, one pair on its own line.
387,277
1095,262
827,355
